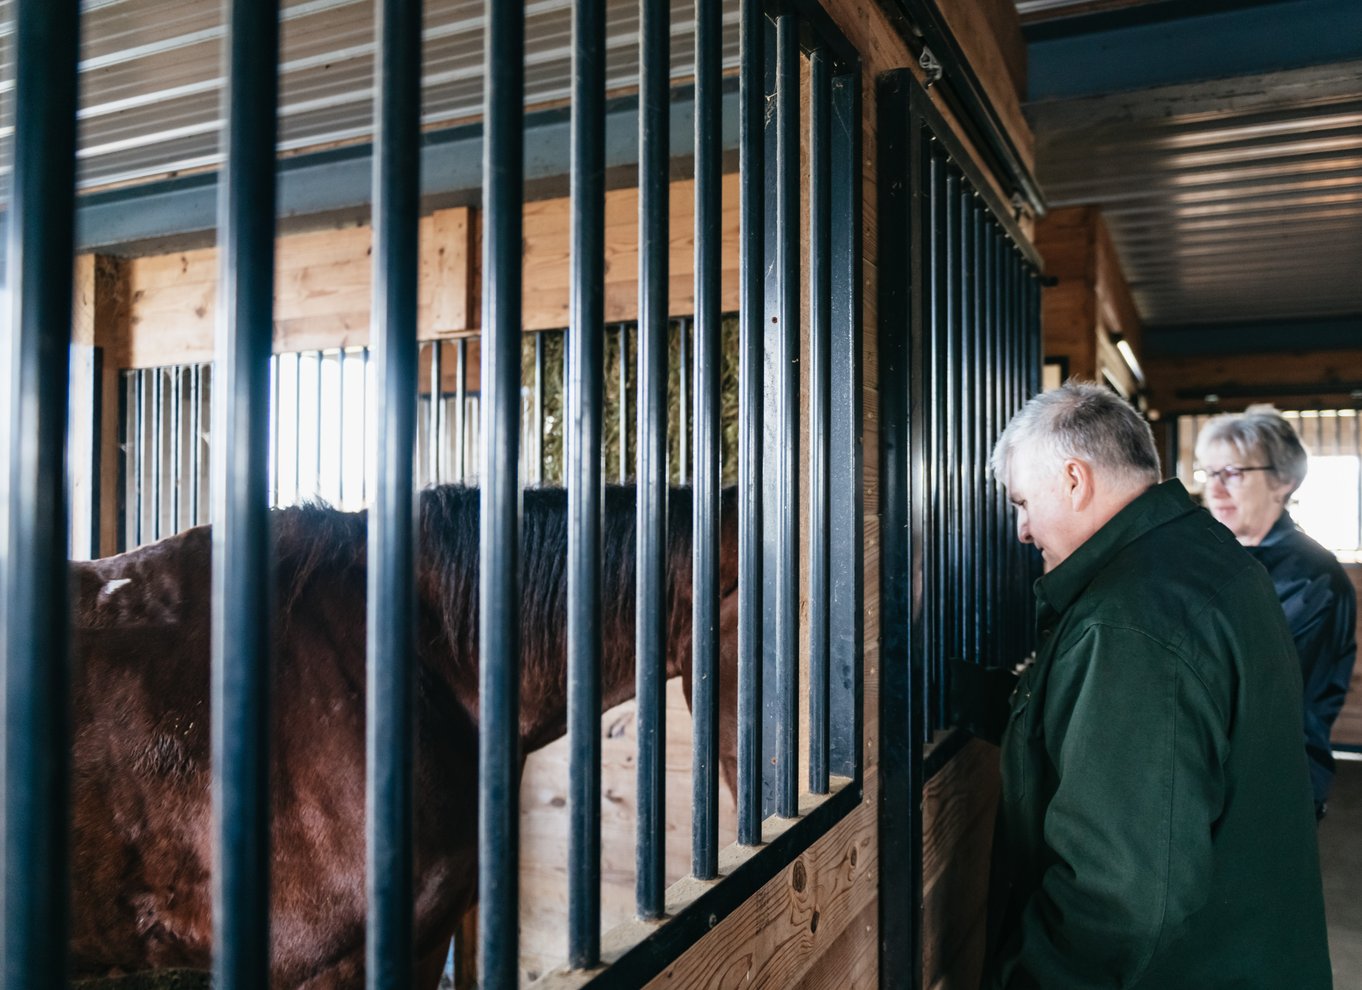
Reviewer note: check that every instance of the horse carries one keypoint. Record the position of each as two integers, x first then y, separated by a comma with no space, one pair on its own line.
141,816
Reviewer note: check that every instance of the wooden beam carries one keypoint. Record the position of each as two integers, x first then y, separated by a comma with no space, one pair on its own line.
1297,380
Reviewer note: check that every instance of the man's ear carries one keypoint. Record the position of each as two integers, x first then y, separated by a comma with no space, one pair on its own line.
1078,483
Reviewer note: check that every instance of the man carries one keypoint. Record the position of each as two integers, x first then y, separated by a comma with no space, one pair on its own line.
1157,825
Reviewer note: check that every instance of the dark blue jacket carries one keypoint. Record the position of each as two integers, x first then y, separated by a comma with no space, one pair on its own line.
1321,612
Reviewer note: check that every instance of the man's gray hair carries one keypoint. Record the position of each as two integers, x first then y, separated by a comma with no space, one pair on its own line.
1260,432
1084,421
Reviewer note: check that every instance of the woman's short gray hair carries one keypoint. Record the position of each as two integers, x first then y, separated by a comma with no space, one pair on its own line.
1259,431
1085,421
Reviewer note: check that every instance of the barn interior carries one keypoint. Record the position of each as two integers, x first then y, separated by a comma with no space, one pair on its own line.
1183,179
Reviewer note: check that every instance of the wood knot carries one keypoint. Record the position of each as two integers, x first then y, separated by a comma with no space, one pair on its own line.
799,877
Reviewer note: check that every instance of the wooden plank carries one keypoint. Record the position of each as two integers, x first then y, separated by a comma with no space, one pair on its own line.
449,258
959,808
775,938
991,39
1348,728
851,961
544,828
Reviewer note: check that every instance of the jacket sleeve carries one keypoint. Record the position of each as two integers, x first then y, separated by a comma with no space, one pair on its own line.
1138,744
1330,689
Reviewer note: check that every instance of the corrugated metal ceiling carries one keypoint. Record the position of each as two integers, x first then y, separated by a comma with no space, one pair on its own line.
151,73
1230,200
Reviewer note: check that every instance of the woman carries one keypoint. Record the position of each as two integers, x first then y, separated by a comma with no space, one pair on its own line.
1254,462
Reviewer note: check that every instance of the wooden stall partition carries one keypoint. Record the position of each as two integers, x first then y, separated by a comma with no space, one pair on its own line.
1348,728
100,328
1088,308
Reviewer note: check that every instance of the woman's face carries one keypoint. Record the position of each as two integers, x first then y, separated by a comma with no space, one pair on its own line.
1248,502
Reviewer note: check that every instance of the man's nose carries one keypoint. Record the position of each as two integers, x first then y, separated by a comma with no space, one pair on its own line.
1023,529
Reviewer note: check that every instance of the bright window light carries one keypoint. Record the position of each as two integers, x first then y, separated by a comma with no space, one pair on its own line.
1326,505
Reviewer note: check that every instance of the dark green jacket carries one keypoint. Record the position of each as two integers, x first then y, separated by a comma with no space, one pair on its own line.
1157,825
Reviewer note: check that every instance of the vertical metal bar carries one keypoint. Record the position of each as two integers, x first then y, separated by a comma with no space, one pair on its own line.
297,428
955,613
177,445
536,471
242,616
139,528
624,402
196,426
340,426
35,615
683,416
433,414
460,414
751,337
582,448
390,821
820,411
364,419
317,461
651,474
275,431
934,552
787,396
499,675
157,449
970,452
989,537
128,480
705,506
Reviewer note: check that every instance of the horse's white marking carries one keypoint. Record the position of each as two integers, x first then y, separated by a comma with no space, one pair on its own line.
111,586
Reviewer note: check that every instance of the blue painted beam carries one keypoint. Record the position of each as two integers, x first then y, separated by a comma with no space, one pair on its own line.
1328,333
1255,39
340,181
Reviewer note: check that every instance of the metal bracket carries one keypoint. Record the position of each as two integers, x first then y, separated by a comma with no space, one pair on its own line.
931,66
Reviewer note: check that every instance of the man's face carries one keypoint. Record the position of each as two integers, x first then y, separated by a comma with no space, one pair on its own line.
1041,488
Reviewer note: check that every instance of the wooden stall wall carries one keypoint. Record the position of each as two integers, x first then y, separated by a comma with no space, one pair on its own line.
1303,379
1348,728
1088,308
816,923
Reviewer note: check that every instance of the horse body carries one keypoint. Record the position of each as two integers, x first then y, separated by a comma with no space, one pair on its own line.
141,755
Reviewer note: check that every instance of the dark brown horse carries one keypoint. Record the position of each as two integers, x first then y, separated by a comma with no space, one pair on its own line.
141,819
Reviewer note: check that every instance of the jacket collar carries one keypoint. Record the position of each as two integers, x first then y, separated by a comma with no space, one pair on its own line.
1281,529
1157,505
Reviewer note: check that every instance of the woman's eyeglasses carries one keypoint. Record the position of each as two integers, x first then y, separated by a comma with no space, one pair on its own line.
1233,476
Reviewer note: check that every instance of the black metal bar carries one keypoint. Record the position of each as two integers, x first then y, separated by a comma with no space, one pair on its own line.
126,405
951,395
751,337
969,447
705,506
624,402
651,474
364,419
934,552
460,415
820,411
391,673
582,445
977,456
787,397
903,340
242,610
846,562
35,615
499,638
998,417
